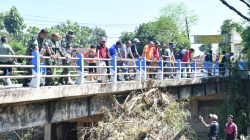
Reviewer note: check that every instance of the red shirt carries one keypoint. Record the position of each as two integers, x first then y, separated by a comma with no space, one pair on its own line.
103,52
187,56
156,53
231,128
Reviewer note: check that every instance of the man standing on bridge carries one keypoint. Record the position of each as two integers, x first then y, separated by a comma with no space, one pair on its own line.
5,49
67,47
214,126
55,52
37,43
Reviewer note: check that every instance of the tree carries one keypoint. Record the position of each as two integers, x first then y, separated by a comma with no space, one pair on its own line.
170,26
2,21
226,28
126,36
13,22
205,48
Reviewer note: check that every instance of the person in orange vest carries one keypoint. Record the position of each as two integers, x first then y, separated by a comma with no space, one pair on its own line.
91,53
222,61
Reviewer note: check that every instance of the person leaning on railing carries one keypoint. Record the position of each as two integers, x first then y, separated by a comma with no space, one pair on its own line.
209,62
156,58
67,47
37,43
222,61
172,51
5,49
91,53
187,59
129,55
163,52
102,53
55,52
148,54
114,50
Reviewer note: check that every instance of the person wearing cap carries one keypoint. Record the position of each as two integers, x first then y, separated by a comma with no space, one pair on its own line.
136,42
187,59
91,53
102,53
231,131
55,52
37,43
214,126
67,47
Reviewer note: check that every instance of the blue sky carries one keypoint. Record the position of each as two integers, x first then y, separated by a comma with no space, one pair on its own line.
116,16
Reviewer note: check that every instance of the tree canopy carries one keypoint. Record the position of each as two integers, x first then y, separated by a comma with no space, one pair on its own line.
13,22
226,29
170,26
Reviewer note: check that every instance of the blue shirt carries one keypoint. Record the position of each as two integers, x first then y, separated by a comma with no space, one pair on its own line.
113,50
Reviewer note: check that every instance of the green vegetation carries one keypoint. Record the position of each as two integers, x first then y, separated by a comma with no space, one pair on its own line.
226,28
205,48
170,26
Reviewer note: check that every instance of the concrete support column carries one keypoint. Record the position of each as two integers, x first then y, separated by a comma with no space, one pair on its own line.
50,131
194,109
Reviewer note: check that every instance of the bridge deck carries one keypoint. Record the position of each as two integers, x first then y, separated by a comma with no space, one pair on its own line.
20,94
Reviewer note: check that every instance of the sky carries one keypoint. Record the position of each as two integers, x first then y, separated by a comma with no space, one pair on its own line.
116,16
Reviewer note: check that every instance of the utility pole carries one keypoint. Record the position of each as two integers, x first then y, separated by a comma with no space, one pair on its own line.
187,28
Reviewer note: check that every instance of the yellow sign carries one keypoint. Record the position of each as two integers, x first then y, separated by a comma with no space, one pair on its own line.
207,39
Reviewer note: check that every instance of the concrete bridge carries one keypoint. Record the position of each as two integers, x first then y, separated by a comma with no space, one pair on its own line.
28,107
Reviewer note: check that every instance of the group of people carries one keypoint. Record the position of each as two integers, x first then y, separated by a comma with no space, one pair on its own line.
225,61
126,55
231,130
56,46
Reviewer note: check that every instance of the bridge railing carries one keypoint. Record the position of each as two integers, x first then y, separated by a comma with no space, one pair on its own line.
138,69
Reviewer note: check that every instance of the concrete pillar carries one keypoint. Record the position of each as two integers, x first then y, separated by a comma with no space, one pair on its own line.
50,131
194,109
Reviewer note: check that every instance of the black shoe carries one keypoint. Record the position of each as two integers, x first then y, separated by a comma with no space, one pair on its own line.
25,85
119,79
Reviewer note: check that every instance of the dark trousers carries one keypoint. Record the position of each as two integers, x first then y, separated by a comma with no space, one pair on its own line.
91,70
108,69
230,136
29,72
5,70
50,71
222,69
64,80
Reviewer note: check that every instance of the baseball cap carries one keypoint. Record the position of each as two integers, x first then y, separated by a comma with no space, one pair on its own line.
103,39
230,116
157,43
136,40
213,116
71,34
44,31
171,45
